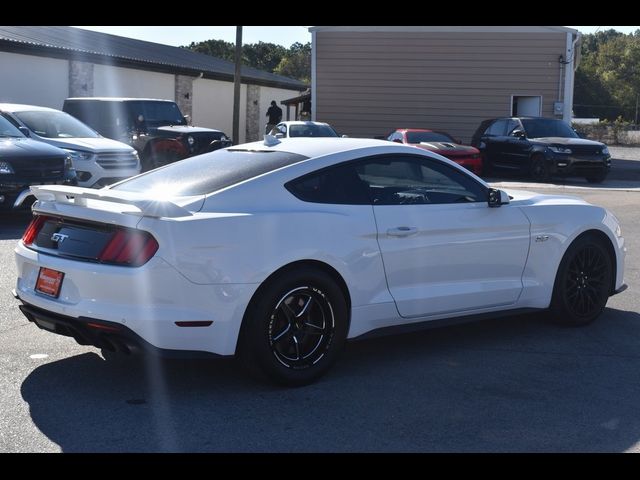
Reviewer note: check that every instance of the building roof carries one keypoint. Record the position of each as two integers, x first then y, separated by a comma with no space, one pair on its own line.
84,45
438,28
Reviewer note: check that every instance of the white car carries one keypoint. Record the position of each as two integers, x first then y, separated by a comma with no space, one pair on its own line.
98,161
280,251
293,129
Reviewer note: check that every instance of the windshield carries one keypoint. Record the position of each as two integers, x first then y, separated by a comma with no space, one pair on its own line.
157,113
311,130
417,137
540,128
209,172
55,125
7,129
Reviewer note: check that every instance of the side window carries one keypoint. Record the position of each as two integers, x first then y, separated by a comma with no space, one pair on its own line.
512,125
498,128
402,180
335,185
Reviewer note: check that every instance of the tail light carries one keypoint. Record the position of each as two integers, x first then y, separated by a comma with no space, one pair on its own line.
129,247
33,229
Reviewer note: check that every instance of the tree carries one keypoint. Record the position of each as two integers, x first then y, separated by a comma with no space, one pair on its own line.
296,63
607,81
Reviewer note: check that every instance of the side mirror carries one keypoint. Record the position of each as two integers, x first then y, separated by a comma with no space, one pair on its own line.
186,119
345,136
518,133
497,197
25,131
397,140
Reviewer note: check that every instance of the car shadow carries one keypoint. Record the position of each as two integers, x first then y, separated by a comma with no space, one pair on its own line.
510,384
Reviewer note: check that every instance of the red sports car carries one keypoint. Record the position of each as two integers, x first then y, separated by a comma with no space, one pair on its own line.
441,143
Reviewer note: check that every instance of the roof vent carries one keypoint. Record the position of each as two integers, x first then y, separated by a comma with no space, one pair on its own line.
270,140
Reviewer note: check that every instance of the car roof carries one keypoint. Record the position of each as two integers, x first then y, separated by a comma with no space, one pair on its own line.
119,99
319,146
413,130
19,107
301,122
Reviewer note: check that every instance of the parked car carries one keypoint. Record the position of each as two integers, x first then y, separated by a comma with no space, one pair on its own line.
280,251
155,128
441,143
541,148
25,162
292,129
98,161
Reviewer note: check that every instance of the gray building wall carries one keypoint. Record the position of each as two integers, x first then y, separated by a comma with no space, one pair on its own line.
370,82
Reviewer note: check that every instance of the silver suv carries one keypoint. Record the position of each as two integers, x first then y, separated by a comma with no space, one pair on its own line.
98,161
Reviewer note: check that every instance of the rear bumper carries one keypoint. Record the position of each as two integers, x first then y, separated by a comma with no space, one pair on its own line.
101,334
148,300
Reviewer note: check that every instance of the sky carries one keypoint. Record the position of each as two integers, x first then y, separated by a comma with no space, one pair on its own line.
285,36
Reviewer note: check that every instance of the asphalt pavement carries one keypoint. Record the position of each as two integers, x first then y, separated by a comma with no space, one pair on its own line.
515,384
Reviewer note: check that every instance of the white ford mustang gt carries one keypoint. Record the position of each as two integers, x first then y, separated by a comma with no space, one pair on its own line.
279,251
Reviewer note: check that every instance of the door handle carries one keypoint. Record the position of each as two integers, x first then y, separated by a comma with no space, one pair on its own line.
402,231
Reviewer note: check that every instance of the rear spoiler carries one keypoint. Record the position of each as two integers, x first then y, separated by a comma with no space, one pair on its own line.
78,196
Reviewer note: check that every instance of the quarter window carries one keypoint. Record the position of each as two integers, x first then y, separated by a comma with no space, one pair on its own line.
497,129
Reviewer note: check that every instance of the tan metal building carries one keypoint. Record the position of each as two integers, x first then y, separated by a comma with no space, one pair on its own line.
366,81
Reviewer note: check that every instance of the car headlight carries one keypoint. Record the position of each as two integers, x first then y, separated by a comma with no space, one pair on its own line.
191,140
78,155
605,150
560,150
6,168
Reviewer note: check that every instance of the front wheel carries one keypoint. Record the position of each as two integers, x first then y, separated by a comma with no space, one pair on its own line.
539,169
583,282
295,328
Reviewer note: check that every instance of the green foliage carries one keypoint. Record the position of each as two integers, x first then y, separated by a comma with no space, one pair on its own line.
294,62
607,81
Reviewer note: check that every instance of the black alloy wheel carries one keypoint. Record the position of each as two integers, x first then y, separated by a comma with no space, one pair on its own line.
583,282
539,169
295,327
301,327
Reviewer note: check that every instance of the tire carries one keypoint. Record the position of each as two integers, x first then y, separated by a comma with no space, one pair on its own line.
599,178
583,282
539,170
152,161
295,327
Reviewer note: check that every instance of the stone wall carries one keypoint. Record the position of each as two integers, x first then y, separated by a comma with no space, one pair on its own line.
184,95
252,127
80,79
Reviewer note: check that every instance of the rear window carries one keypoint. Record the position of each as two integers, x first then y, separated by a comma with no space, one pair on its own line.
209,172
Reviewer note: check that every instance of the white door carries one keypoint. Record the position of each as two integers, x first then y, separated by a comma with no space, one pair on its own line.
444,250
526,106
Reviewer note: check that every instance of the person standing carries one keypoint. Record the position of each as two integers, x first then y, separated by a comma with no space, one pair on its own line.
275,116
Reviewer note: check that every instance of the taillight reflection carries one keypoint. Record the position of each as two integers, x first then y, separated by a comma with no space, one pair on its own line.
33,229
129,247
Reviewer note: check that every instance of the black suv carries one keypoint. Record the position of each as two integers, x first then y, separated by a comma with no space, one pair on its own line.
540,147
25,162
155,128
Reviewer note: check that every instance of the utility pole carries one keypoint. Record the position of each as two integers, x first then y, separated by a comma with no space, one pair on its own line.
236,87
